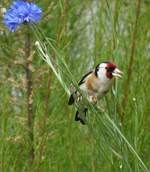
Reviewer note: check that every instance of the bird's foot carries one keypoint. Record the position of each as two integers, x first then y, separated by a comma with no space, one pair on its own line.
93,99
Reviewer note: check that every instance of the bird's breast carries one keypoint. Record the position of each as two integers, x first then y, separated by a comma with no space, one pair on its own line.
97,87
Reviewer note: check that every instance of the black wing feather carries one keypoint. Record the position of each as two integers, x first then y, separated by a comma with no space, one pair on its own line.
71,99
81,82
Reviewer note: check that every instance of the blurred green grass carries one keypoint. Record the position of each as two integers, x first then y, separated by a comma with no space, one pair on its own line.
83,34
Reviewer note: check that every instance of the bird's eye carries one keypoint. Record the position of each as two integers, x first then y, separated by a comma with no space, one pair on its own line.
109,69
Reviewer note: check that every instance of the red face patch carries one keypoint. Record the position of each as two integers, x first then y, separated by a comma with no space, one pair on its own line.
109,69
111,65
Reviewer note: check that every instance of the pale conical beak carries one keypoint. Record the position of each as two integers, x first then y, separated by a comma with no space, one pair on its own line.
117,73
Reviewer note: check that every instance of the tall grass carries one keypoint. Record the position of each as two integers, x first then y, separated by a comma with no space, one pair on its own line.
72,38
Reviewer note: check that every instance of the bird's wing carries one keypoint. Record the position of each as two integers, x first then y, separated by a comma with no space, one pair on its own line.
71,99
84,78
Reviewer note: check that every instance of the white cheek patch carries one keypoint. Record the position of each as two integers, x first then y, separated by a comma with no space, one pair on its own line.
102,65
102,73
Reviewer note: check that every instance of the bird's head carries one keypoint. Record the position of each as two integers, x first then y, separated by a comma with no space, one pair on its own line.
107,70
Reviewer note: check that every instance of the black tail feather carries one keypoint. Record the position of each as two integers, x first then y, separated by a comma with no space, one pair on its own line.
76,116
71,100
85,111
79,118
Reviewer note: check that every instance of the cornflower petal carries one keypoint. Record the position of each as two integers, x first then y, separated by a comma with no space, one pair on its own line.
21,12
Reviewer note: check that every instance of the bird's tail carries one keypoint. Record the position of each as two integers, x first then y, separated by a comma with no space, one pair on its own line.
71,100
81,116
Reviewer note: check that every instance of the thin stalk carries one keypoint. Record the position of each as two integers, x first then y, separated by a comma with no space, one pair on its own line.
48,92
131,62
29,84
115,20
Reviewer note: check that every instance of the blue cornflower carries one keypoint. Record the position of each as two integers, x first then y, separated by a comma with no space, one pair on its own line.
21,12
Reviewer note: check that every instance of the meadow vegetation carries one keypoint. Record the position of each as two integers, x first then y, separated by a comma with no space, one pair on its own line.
37,65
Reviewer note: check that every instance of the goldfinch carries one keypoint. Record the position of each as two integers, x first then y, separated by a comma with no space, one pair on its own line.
94,85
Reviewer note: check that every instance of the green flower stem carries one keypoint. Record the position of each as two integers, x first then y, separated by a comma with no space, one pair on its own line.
29,94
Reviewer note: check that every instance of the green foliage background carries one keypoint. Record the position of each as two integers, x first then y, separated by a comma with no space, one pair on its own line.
82,34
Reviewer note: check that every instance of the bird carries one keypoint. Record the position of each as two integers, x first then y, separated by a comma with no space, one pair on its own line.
94,85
